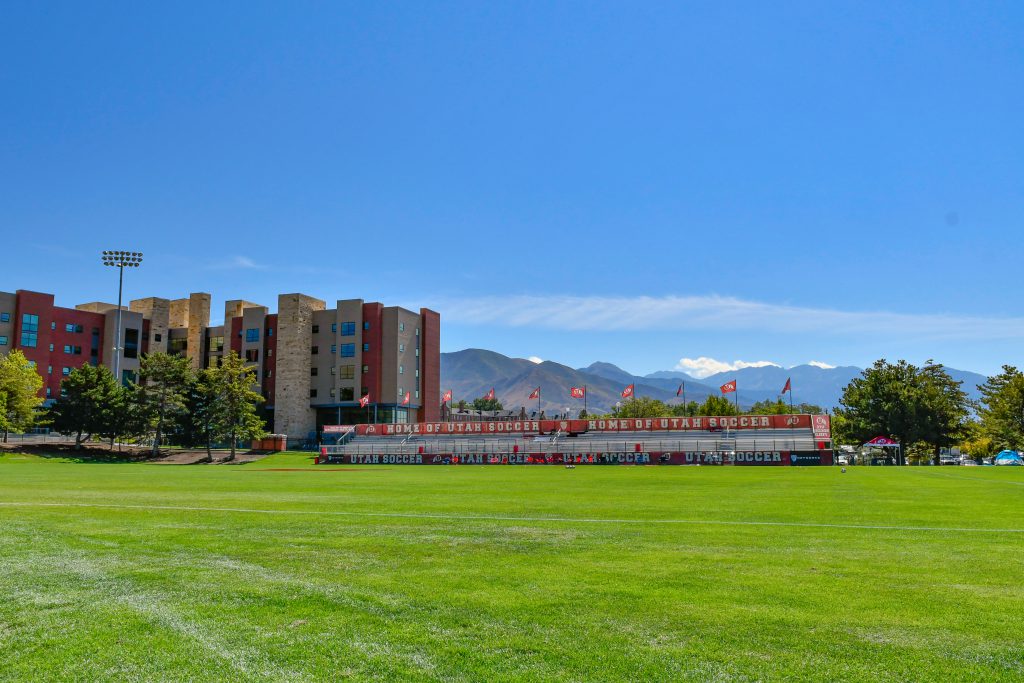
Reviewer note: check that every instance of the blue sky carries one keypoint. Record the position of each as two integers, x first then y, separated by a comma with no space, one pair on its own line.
631,182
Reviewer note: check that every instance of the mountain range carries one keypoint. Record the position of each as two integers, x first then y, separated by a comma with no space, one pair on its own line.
471,373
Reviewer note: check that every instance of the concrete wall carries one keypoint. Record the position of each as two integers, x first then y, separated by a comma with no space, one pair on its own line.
198,321
158,312
292,412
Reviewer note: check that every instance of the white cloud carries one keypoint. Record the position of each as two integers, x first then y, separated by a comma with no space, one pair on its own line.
705,367
819,364
578,313
535,359
237,262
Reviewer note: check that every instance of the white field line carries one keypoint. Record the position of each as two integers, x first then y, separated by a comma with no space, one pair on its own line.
498,518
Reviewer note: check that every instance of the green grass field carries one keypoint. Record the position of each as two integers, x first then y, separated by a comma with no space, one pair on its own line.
236,573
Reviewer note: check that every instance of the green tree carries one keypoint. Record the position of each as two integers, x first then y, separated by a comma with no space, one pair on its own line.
907,403
125,416
83,409
1001,408
486,404
19,393
717,405
642,406
233,408
781,407
976,442
165,379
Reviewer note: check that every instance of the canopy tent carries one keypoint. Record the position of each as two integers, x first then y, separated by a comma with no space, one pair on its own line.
1008,458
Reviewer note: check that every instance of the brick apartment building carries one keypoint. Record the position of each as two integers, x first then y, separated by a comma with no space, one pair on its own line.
313,364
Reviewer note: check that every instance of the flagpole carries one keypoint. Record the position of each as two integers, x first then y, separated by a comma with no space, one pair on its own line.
585,401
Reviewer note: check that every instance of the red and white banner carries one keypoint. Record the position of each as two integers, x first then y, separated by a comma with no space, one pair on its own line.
881,441
788,387
364,401
822,426
447,396
338,429
649,424
577,392
405,401
729,387
627,392
536,393
748,458
489,396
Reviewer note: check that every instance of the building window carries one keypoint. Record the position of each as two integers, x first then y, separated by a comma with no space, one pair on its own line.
49,369
332,393
401,369
131,344
316,329
315,350
270,373
366,346
334,327
366,369
312,393
313,372
417,353
332,370
53,325
177,346
365,391
5,317
65,371
47,392
348,350
417,331
334,348
366,326
347,394
3,341
270,353
215,344
51,348
156,338
270,331
401,327
252,334
401,348
29,330
71,327
252,355
348,329
348,372
417,393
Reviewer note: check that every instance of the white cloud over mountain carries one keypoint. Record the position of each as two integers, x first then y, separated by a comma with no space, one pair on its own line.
820,364
705,367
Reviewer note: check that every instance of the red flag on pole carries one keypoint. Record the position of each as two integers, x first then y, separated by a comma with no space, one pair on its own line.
447,396
577,392
788,387
680,389
627,392
364,401
536,393
729,387
405,401
490,395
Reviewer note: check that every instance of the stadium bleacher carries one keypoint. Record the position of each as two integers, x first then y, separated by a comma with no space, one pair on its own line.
781,440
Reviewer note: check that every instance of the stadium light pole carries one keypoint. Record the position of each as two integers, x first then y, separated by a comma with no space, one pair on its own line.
120,259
